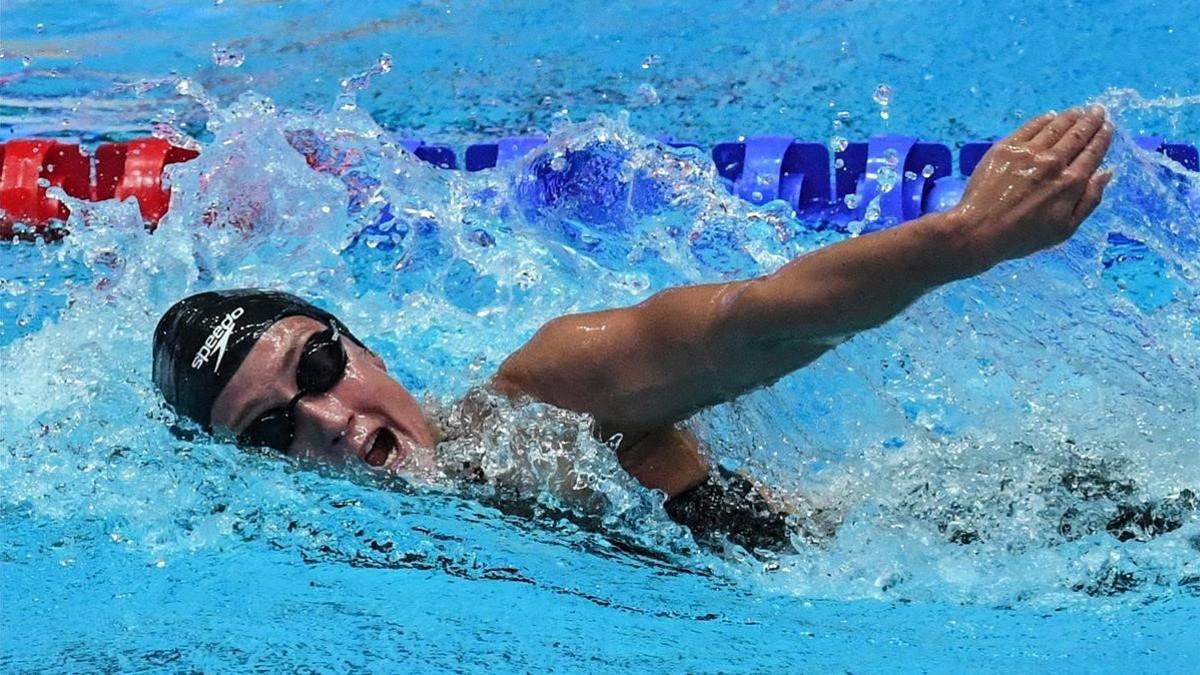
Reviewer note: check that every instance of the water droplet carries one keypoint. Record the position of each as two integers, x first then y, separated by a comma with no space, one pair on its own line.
226,57
882,95
558,162
838,143
851,201
927,171
40,27
844,115
648,94
891,157
885,114
43,182
872,213
839,163
910,175
650,60
887,179
482,237
25,61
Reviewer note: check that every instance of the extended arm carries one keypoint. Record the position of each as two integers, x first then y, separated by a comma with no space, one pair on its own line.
643,368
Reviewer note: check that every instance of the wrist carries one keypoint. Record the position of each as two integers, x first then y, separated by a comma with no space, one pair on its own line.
955,253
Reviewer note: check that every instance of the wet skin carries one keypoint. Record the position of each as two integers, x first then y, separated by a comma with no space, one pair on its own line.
335,425
640,371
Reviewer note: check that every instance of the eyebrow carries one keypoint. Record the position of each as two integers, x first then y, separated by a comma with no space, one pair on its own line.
289,363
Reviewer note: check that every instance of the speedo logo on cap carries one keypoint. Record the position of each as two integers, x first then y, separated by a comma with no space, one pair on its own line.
217,341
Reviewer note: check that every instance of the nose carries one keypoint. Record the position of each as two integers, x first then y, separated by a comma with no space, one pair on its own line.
323,422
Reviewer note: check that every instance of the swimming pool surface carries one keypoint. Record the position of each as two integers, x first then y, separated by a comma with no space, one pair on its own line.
967,441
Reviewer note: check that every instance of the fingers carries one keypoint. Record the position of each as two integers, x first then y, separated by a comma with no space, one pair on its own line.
1049,135
1092,195
1031,128
1088,159
1077,137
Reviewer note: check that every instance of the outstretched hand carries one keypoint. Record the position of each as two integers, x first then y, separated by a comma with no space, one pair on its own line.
1032,189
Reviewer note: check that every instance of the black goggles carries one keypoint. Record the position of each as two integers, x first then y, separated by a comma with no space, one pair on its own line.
322,365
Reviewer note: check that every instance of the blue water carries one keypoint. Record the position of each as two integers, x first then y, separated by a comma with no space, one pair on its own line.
125,547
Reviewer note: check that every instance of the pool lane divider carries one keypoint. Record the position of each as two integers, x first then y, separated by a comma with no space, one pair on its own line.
878,183
29,167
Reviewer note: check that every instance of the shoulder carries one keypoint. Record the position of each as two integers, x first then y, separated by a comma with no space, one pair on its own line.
569,360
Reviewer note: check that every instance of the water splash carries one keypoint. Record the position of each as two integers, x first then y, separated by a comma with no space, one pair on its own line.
348,98
943,438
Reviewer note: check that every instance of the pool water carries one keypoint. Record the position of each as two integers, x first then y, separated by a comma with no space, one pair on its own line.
970,442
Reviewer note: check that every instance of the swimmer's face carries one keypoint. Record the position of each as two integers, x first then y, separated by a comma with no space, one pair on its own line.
366,416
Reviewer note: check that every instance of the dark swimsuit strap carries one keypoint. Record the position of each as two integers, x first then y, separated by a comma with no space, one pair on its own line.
729,506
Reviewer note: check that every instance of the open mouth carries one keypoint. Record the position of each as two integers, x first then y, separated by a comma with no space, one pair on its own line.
383,449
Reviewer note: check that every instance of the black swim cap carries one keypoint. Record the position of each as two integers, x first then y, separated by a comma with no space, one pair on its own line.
202,339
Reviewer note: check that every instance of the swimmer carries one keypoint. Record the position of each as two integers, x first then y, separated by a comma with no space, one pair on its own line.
271,370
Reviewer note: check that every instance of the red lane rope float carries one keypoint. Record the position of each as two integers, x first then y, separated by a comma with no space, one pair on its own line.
28,167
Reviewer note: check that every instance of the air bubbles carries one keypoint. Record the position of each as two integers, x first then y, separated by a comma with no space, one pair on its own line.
39,27
927,171
650,60
851,201
839,163
838,143
26,61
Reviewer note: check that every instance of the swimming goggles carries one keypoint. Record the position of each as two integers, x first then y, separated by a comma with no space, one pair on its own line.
322,365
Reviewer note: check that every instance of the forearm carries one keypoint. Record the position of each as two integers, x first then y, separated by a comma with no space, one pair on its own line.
686,348
830,294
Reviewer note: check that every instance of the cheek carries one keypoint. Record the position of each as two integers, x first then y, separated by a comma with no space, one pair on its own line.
379,390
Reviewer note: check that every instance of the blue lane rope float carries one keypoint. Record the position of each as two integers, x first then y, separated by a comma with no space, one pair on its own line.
873,185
